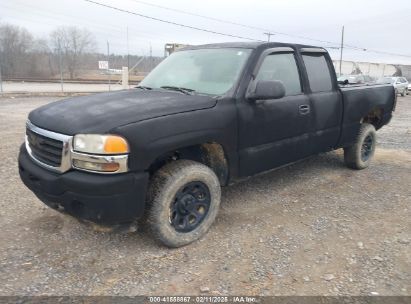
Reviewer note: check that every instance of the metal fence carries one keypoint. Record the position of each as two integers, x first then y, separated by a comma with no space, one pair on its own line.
47,75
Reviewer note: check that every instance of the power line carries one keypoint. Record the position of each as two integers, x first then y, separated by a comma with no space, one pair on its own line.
201,16
57,16
171,22
233,23
39,17
266,31
225,34
384,53
100,30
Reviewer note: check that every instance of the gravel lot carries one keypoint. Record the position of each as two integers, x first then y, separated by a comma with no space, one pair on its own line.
313,228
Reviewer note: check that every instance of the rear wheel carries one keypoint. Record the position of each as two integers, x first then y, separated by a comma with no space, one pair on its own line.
185,198
359,155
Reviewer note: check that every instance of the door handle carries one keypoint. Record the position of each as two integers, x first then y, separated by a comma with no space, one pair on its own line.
304,109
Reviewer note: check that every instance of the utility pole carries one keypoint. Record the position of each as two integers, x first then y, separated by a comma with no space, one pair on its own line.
108,66
1,80
61,67
150,62
128,52
269,36
341,48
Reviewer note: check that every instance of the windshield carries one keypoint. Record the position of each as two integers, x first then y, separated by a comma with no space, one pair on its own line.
207,71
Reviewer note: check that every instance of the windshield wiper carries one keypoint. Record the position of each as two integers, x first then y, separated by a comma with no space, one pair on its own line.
179,89
143,88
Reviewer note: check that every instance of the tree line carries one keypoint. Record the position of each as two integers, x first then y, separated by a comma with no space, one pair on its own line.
70,48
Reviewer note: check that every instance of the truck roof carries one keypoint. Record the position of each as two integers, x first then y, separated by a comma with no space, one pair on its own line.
248,45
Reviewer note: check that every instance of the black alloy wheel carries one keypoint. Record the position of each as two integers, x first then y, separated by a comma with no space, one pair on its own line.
367,147
190,206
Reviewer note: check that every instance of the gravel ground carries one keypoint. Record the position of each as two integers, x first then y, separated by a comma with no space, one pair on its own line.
313,228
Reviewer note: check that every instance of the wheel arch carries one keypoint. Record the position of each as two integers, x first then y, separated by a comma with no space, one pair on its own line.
374,117
211,154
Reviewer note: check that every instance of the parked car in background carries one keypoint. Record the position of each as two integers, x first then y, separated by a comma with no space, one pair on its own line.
355,79
400,84
369,79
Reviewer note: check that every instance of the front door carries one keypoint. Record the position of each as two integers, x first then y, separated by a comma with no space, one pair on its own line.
275,132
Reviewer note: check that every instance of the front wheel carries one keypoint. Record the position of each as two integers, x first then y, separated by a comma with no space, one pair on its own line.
185,198
404,93
359,155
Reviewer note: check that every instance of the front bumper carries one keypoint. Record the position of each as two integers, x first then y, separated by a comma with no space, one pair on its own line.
102,199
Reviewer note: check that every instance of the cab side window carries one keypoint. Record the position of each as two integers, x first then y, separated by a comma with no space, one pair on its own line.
282,67
318,71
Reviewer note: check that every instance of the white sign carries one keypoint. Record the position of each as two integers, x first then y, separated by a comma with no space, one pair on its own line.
103,65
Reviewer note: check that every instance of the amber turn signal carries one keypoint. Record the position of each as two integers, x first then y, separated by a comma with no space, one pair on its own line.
115,145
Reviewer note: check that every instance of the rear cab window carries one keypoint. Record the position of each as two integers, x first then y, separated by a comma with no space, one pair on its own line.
318,72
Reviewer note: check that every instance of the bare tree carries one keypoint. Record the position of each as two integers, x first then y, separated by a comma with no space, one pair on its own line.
41,59
73,43
15,45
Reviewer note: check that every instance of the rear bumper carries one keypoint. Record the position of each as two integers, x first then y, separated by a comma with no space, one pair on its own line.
103,199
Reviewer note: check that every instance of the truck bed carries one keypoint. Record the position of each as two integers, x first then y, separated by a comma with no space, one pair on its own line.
358,101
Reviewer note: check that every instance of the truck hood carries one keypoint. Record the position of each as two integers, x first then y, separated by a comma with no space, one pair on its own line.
100,113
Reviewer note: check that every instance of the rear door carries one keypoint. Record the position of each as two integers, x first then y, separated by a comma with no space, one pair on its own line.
325,98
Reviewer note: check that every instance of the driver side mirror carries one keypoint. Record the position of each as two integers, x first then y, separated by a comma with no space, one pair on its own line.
266,89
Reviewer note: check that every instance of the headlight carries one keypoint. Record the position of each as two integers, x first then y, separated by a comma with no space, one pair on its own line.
100,153
100,144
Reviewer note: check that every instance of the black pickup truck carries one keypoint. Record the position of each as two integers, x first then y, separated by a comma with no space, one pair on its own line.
205,117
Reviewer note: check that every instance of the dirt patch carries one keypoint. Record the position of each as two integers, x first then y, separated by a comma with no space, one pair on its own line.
47,223
401,157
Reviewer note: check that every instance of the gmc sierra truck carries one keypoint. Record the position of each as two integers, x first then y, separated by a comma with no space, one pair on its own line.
205,117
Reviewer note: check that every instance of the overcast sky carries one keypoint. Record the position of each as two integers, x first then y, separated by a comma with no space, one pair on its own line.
380,25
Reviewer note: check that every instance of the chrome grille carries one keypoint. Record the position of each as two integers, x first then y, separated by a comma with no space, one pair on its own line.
49,149
45,149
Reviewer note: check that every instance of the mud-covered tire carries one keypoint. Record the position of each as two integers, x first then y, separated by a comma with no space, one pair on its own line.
359,155
166,183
